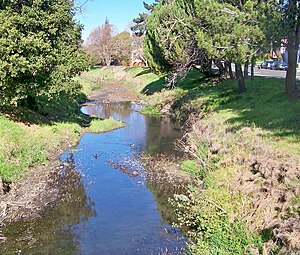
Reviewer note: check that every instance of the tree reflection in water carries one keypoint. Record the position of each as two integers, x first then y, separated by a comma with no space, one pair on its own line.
128,221
107,110
52,234
161,133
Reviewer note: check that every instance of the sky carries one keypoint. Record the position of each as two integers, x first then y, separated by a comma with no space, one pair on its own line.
120,13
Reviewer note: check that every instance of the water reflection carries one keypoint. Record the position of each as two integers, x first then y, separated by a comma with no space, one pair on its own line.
107,110
155,134
52,234
112,211
130,221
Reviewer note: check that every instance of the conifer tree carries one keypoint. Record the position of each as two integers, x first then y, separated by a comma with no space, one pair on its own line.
186,33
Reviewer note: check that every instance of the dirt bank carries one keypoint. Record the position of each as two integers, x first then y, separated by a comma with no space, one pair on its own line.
43,186
114,93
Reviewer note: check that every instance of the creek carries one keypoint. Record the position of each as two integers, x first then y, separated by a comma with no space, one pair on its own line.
115,209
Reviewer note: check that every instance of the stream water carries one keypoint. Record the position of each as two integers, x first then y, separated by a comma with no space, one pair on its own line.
114,210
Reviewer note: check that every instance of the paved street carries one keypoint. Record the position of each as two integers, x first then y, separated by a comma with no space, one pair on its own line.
272,73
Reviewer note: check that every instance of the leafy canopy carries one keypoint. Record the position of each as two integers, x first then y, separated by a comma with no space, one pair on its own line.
39,49
185,33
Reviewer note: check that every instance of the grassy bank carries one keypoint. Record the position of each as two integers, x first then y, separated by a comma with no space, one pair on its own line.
241,144
140,79
30,138
244,149
263,106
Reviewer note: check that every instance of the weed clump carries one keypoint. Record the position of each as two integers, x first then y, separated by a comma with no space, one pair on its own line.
210,228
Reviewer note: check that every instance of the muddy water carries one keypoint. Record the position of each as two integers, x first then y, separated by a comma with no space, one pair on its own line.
114,210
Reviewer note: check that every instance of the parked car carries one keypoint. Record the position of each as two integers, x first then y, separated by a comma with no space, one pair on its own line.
279,65
267,64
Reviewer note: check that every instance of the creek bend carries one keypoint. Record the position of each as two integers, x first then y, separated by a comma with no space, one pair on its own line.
114,209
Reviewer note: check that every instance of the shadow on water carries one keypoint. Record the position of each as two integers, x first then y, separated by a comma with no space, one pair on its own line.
113,210
52,234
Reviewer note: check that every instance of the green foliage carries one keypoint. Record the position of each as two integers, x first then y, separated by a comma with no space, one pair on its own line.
233,32
150,110
295,207
139,27
190,166
39,50
210,227
199,169
183,34
163,46
123,46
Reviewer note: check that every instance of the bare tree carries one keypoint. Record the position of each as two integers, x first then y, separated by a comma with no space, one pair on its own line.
80,5
101,44
137,49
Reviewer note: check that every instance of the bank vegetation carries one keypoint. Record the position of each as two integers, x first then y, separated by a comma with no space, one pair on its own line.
243,150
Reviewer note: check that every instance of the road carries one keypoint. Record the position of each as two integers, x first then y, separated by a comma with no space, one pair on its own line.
272,73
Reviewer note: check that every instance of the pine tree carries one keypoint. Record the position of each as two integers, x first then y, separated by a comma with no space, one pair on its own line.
139,28
186,33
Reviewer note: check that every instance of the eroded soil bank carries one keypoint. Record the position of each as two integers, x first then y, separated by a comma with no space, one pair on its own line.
41,186
114,93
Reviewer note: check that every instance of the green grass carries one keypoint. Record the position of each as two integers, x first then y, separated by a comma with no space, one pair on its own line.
97,125
22,146
88,86
150,110
29,138
140,79
263,106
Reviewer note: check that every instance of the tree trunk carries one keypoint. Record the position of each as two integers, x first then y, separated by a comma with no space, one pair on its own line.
206,68
252,68
246,69
292,48
230,70
220,67
226,68
31,103
240,78
107,60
